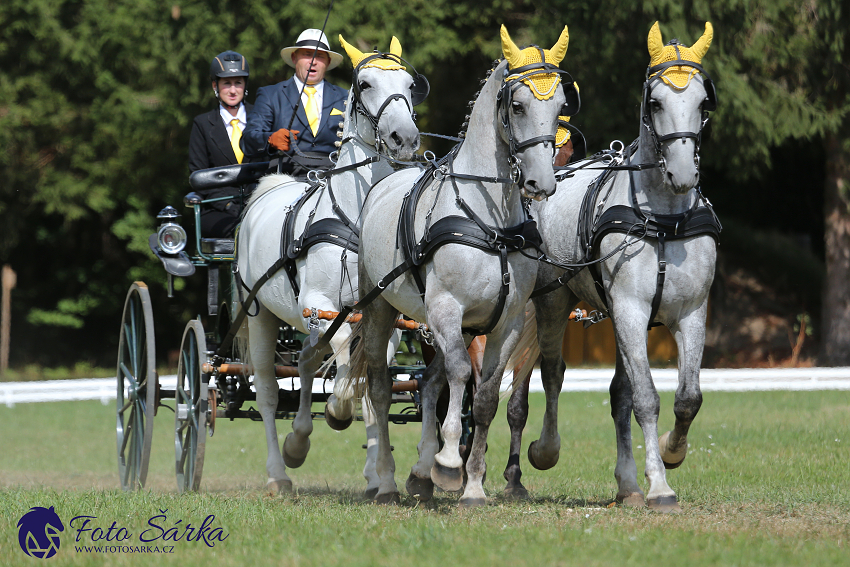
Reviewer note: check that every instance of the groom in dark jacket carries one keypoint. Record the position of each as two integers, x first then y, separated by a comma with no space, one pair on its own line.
318,113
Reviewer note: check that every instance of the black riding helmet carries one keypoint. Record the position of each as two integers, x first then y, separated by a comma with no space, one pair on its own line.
228,64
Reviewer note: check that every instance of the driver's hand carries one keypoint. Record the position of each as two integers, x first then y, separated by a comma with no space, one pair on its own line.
280,139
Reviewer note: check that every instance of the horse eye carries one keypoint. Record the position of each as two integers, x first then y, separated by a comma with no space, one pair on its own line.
364,85
654,104
517,108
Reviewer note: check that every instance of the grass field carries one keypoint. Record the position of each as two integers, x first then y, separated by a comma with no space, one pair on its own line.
766,483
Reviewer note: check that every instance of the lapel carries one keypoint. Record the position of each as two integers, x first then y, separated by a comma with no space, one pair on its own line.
328,100
219,136
290,92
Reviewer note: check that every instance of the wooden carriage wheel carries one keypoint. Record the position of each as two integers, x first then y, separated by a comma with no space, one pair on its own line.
136,382
192,402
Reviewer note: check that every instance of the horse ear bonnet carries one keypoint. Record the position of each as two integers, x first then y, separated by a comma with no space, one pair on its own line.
419,89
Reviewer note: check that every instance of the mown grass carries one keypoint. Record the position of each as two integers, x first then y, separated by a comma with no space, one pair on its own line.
766,483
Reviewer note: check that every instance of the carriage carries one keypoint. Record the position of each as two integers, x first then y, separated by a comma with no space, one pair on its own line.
212,382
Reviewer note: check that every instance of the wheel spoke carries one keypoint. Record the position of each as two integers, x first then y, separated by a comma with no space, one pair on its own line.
125,406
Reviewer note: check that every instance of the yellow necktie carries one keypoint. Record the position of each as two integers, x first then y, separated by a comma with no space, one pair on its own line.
310,109
234,140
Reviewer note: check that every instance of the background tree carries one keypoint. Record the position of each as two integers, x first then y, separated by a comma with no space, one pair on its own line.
97,98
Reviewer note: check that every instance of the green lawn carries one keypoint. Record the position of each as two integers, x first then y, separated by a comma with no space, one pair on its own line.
766,483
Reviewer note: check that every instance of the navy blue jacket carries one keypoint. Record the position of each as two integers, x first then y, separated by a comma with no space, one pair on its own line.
273,110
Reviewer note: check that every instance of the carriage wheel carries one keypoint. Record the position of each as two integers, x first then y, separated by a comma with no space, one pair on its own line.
137,381
192,401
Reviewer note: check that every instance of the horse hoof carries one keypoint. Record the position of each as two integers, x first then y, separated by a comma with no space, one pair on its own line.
288,459
472,502
516,492
371,493
337,424
536,462
420,488
665,454
665,505
388,498
450,480
275,487
633,500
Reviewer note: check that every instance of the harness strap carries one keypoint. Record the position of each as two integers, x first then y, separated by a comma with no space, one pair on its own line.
659,282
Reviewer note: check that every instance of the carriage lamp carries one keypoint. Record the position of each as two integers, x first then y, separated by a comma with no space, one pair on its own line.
170,236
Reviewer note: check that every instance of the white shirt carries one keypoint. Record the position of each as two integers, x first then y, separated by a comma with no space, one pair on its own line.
227,117
317,97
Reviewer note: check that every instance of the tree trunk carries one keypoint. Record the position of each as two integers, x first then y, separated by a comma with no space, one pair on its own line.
835,325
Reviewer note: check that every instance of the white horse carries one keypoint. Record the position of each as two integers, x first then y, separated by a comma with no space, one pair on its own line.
470,281
652,237
379,119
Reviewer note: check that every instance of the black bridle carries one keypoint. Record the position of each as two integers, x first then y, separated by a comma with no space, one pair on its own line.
654,75
418,92
511,80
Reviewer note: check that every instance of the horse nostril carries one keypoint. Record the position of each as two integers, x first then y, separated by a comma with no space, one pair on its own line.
397,139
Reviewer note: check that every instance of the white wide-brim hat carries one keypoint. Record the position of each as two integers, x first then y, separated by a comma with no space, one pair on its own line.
311,39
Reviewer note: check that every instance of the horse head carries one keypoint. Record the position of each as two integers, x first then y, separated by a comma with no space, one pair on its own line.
677,97
529,102
384,94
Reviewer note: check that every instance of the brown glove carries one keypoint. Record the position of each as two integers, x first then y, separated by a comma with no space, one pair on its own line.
280,139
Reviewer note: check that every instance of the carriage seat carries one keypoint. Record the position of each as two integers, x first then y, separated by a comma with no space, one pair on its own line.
227,175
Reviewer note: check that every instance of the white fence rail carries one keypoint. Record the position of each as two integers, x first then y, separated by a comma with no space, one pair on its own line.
575,380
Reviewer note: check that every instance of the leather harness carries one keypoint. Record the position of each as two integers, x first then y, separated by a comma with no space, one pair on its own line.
700,219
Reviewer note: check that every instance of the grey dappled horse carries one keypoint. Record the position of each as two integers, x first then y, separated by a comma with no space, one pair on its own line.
665,200
507,154
378,117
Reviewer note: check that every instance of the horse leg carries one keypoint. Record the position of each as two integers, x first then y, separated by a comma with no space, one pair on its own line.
262,338
445,320
297,443
500,346
517,418
419,483
376,329
690,339
340,407
552,313
630,334
370,472
628,492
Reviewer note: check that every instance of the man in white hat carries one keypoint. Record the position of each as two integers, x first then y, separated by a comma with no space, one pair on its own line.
318,112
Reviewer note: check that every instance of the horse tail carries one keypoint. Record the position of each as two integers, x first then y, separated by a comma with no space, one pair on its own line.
526,353
352,386
355,384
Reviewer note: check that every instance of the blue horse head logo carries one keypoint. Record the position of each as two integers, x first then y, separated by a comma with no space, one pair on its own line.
38,532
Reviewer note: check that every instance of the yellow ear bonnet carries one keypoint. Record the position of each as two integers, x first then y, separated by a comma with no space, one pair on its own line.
541,84
387,64
677,76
